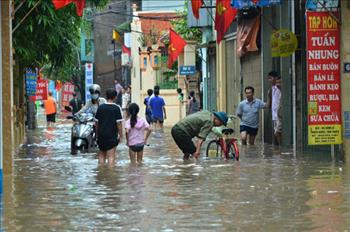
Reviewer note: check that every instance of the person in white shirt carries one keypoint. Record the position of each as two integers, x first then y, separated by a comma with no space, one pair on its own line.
126,99
274,103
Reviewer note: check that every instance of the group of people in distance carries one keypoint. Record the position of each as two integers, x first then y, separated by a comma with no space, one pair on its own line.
112,115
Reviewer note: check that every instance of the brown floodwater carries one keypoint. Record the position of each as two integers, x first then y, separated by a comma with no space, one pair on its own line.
267,190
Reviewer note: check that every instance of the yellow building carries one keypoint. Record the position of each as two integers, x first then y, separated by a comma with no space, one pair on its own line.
145,74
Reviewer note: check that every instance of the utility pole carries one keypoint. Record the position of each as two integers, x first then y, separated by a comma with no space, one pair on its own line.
1,137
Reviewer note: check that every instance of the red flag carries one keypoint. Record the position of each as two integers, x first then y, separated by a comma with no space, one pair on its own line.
79,5
196,4
176,46
225,14
60,3
126,50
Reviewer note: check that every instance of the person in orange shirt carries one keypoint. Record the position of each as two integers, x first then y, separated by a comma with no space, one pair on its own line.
51,109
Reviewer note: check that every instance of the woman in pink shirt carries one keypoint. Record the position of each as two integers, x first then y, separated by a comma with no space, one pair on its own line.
135,129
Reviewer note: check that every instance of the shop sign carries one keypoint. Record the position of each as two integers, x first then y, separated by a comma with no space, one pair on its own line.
41,89
67,93
321,4
323,73
239,4
89,80
347,124
283,43
187,70
31,78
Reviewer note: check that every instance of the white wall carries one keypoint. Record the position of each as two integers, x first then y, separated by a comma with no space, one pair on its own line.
157,5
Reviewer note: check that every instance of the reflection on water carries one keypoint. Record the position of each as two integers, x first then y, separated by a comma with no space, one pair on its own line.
266,191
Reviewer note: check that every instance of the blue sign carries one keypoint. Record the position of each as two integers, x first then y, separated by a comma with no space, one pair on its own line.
89,80
239,4
52,88
31,78
187,70
317,4
347,124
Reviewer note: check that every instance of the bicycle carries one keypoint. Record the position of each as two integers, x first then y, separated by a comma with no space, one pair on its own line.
224,145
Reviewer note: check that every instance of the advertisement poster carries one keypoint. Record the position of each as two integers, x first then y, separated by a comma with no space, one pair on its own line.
67,93
41,89
89,80
31,78
283,43
323,73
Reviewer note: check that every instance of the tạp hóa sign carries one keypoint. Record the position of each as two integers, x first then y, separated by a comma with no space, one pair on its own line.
323,73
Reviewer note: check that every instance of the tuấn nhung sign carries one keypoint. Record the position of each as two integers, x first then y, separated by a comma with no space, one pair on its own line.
323,74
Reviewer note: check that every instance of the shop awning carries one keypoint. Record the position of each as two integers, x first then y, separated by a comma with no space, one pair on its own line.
239,4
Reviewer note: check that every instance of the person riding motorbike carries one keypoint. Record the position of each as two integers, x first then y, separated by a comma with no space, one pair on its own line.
92,105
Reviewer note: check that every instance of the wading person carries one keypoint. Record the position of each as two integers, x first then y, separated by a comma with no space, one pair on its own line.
274,97
50,109
75,104
148,112
126,98
118,88
196,125
137,131
248,112
193,105
109,128
157,105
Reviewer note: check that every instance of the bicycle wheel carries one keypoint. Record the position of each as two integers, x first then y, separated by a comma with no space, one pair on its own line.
213,149
233,152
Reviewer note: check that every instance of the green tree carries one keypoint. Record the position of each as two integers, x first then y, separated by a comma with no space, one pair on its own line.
181,27
49,38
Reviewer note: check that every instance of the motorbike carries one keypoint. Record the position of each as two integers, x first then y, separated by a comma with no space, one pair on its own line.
83,136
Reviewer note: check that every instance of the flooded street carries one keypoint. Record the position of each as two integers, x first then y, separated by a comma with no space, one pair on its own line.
52,190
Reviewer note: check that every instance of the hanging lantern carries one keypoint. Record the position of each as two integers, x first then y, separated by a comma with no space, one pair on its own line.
144,60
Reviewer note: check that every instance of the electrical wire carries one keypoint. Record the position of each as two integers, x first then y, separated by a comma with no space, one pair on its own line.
159,18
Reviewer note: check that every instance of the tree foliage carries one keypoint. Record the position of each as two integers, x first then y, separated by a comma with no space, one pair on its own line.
49,38
181,27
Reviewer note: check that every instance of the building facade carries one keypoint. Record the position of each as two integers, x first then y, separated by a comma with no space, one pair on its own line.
107,52
225,78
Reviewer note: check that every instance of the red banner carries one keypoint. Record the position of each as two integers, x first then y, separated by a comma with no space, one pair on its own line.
323,71
67,93
41,89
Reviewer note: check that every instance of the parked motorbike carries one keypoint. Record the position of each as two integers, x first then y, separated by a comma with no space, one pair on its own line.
83,137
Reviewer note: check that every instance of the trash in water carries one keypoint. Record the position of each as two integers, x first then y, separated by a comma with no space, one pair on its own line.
72,187
332,191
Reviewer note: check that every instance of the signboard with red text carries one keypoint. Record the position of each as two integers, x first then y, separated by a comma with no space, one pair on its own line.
323,73
41,89
67,93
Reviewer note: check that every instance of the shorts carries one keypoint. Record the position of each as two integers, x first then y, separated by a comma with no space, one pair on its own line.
248,129
183,140
149,118
137,147
107,144
277,126
157,119
51,117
